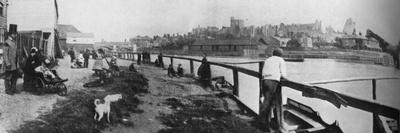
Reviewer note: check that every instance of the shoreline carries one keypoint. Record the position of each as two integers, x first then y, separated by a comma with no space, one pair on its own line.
351,56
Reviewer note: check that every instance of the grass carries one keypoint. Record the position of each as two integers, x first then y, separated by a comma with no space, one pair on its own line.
203,114
75,115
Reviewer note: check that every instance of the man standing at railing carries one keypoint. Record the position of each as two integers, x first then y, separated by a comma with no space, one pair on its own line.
204,72
160,60
139,58
274,69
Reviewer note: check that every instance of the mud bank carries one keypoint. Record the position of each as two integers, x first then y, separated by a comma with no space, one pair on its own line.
205,114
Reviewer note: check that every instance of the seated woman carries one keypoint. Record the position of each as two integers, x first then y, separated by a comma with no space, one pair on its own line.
156,63
132,68
32,62
171,71
113,64
78,62
180,70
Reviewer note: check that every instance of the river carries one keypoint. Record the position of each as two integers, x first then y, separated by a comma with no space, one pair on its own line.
350,120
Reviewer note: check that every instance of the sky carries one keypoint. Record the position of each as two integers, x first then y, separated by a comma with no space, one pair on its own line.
117,20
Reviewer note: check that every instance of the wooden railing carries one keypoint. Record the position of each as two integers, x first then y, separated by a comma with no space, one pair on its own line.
362,104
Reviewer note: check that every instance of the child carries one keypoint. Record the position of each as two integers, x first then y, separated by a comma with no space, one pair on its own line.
47,73
180,70
171,71
113,64
132,68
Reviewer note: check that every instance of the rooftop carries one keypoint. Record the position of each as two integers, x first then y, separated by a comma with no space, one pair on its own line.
67,28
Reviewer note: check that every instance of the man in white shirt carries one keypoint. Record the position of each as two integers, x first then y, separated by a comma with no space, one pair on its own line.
274,69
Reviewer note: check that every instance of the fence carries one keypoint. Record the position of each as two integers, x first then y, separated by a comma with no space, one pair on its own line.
369,106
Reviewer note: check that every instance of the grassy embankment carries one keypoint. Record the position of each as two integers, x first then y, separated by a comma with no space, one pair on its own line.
75,115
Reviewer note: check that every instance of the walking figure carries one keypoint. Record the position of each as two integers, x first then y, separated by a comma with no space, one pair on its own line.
86,56
71,53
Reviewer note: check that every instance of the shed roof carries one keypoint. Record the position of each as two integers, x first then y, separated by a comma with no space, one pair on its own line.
67,28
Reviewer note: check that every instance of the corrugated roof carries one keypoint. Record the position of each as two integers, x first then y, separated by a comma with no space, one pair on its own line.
84,35
67,28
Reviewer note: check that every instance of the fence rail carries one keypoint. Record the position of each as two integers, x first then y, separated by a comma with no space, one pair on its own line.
362,104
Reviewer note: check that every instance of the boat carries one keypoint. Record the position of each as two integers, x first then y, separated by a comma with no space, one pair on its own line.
296,114
294,59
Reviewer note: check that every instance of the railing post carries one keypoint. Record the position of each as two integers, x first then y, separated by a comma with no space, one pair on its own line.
191,67
398,123
235,82
374,89
149,61
375,117
172,61
260,68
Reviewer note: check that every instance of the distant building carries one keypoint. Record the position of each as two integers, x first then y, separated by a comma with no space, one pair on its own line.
141,41
71,37
3,19
62,31
306,42
237,26
349,27
223,47
282,41
359,43
37,15
80,41
312,29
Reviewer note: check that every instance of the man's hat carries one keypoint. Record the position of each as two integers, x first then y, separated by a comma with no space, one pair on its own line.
13,29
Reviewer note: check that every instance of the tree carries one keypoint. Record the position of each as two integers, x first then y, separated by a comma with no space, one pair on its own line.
294,43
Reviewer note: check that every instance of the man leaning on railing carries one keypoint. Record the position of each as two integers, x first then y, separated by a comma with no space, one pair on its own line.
274,69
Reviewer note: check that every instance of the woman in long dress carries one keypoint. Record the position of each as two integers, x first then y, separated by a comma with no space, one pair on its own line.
98,65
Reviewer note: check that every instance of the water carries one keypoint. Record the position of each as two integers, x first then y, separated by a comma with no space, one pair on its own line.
351,120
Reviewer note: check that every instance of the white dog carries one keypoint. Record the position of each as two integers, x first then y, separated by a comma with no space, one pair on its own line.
102,108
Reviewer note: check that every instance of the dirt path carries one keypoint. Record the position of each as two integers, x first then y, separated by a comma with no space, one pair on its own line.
18,108
161,87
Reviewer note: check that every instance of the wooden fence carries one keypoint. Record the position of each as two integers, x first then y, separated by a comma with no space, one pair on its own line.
376,109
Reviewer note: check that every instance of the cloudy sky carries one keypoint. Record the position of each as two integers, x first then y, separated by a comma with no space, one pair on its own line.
116,20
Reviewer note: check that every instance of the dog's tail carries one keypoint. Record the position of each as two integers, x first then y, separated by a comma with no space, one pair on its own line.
96,102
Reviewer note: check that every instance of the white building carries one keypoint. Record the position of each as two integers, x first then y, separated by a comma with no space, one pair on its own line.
282,41
80,38
306,42
134,48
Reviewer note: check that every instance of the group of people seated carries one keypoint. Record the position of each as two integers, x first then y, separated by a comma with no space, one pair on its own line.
78,62
37,65
173,73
